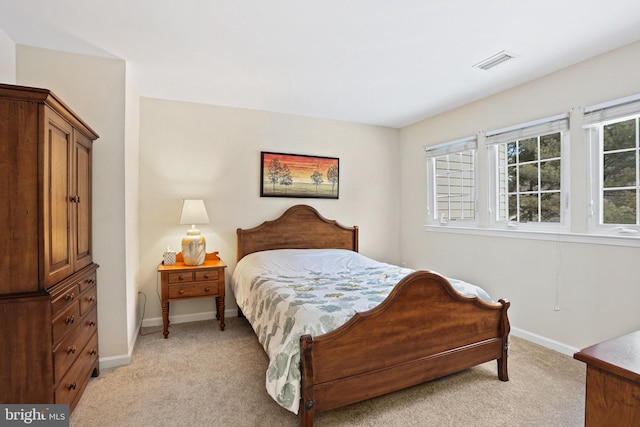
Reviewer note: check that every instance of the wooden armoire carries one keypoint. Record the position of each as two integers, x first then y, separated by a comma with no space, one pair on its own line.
48,294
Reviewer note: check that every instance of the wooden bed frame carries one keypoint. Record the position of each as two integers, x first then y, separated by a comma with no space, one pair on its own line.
422,331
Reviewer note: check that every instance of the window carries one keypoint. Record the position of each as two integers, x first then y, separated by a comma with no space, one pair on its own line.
613,134
528,173
451,171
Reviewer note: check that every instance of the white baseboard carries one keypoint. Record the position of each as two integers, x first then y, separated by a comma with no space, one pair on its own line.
545,342
114,361
184,318
125,359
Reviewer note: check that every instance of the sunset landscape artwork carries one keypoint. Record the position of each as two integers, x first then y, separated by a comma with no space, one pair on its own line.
295,175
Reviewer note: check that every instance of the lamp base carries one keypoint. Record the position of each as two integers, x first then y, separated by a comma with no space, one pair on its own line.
194,249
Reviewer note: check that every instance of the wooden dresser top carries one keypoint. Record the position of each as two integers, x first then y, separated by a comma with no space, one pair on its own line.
620,356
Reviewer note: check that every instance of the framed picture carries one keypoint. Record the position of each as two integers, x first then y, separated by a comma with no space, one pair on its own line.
295,175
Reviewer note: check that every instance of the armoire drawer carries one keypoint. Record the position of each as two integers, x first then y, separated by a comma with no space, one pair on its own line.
69,348
87,282
88,300
65,298
65,321
78,375
65,294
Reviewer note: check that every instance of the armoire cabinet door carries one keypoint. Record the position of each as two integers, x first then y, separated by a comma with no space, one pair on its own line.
58,158
81,206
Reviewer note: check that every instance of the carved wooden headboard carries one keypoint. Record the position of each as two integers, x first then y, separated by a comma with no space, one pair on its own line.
300,227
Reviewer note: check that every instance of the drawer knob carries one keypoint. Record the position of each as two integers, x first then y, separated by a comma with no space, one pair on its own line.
91,298
92,323
181,277
69,320
207,289
69,297
181,291
93,352
72,386
71,349
206,276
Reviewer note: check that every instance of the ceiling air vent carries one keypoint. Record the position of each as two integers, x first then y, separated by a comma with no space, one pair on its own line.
495,60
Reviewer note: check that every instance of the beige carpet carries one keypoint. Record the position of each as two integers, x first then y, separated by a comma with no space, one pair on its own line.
202,376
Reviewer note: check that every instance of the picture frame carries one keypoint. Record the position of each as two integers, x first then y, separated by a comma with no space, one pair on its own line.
299,175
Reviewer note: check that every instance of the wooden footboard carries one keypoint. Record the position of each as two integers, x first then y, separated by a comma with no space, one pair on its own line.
422,331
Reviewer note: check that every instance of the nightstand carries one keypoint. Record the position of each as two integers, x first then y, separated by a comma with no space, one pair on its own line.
180,281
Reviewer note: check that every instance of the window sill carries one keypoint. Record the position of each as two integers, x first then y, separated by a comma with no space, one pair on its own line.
594,239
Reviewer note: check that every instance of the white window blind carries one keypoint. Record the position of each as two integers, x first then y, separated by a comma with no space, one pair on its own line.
451,171
456,146
553,124
611,110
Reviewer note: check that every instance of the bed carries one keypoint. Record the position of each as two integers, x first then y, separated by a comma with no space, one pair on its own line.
420,328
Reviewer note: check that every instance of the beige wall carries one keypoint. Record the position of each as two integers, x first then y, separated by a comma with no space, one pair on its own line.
200,151
595,285
7,59
132,208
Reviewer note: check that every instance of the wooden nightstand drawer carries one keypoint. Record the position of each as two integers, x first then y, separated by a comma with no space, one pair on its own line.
194,290
202,276
182,277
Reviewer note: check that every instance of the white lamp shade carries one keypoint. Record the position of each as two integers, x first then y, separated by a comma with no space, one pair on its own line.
193,212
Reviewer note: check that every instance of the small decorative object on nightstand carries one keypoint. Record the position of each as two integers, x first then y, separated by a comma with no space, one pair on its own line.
169,257
181,281
194,246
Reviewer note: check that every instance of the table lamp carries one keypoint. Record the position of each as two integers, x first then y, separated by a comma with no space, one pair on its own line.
194,247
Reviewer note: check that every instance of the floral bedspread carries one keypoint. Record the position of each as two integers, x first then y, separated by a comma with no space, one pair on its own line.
287,293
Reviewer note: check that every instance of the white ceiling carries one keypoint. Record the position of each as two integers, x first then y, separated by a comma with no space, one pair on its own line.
382,62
